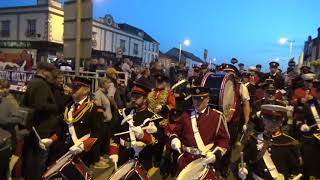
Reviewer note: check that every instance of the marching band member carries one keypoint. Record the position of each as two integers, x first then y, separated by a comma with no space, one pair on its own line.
300,98
269,98
180,90
310,138
161,100
195,75
138,142
275,75
272,154
193,132
81,119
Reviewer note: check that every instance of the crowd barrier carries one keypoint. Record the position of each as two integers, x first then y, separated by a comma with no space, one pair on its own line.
19,79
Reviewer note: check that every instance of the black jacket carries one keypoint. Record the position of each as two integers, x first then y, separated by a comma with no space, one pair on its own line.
39,96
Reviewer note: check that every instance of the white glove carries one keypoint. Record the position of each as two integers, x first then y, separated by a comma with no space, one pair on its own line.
138,132
151,128
114,158
210,157
242,173
305,128
158,108
176,144
45,143
77,149
244,128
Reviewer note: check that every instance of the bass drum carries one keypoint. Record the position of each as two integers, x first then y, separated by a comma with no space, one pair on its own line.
222,94
196,170
130,170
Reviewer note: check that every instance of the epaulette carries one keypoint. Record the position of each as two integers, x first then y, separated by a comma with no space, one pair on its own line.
121,111
217,111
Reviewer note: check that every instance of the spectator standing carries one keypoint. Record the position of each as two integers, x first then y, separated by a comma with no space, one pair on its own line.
126,67
39,96
103,103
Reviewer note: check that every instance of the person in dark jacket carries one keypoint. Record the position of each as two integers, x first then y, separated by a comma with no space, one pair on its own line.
39,97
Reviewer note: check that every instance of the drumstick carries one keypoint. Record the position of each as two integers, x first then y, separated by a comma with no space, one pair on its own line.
298,177
115,166
241,159
36,133
127,132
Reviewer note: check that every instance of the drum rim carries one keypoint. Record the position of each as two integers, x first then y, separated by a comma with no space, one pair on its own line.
224,81
136,164
225,78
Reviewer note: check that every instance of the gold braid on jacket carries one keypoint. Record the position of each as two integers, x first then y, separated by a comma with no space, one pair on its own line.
154,101
89,106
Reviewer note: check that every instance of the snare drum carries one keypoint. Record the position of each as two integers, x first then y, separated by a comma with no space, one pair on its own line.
130,170
69,167
222,94
197,170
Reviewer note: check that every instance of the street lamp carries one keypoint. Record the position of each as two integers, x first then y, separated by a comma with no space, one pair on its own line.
283,41
186,42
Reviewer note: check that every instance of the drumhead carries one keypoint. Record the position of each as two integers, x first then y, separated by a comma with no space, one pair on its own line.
192,171
222,92
227,96
123,170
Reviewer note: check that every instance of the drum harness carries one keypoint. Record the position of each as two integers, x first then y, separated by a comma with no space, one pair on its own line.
316,118
201,148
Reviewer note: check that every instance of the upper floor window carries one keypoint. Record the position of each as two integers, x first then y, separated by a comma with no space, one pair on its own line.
31,28
123,45
5,28
135,49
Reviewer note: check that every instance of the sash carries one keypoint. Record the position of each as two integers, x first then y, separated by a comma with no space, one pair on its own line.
267,158
196,132
315,115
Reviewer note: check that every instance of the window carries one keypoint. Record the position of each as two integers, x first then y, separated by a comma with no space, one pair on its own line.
149,46
153,48
123,45
31,28
94,39
145,45
135,49
5,28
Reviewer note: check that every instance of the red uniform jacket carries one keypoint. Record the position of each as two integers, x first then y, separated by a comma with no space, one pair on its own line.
210,130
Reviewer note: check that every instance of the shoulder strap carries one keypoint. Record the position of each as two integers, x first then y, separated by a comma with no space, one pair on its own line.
315,114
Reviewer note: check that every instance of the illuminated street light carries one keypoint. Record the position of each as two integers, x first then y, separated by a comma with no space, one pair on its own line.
186,42
283,41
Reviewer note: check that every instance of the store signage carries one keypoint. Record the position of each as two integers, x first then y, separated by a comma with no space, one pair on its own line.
16,76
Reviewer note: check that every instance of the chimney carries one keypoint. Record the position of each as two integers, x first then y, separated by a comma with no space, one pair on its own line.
319,32
309,38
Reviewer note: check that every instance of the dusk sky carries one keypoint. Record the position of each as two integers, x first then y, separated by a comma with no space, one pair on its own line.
246,29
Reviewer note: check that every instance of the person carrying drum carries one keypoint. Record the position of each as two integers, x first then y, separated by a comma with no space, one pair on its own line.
142,126
272,154
310,138
198,133
81,119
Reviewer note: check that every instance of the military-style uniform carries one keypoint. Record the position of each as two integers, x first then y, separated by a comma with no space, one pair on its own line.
310,140
272,154
284,151
80,119
212,128
122,145
277,77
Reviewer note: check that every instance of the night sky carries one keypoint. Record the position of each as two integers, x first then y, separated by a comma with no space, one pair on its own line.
246,29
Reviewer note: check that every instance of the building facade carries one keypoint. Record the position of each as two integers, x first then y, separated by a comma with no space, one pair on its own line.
107,38
187,57
38,29
311,52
